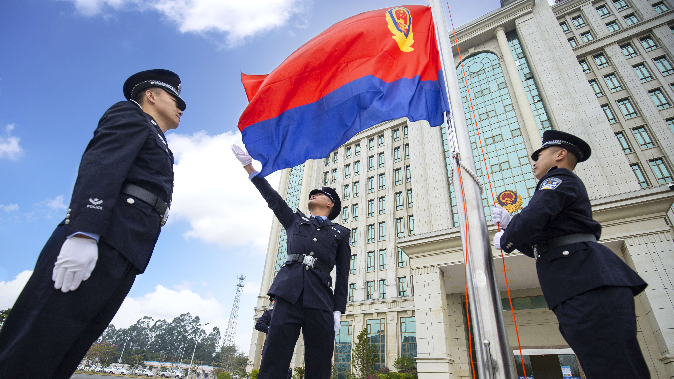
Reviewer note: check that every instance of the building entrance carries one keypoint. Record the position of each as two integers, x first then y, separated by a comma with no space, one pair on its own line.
548,364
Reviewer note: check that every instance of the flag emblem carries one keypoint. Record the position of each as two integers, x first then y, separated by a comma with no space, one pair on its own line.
511,201
399,20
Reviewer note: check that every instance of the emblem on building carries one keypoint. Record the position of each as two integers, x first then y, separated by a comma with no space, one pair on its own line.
510,201
399,20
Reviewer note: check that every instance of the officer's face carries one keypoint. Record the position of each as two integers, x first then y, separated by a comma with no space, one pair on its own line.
319,200
546,160
167,107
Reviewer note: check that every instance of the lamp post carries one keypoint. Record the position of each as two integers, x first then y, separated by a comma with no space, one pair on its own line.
193,351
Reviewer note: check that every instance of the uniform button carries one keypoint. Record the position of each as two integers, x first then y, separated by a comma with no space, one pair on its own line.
318,228
312,253
69,210
315,240
153,122
565,252
67,222
130,200
306,268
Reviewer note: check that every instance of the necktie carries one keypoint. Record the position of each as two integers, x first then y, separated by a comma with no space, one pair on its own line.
320,220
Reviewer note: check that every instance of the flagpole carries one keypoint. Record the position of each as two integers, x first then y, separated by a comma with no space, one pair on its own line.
492,350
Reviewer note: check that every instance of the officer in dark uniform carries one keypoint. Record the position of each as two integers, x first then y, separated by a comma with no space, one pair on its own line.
119,203
589,288
264,321
302,287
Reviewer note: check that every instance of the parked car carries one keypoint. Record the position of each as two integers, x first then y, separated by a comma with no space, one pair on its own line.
116,370
172,374
144,372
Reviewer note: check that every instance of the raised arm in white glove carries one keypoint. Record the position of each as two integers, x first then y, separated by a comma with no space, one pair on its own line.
497,239
500,216
75,263
338,317
242,155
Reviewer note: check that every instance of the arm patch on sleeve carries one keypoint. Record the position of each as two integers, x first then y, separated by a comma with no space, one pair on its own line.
551,183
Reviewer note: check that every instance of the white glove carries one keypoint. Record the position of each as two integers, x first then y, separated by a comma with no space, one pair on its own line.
497,239
338,317
500,216
75,263
242,155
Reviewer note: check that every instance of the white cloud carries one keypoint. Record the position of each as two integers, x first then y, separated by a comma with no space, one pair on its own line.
9,146
234,19
252,288
9,208
49,207
213,193
184,285
10,290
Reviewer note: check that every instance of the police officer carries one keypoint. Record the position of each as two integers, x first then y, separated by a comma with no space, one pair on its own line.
263,322
590,289
302,287
87,267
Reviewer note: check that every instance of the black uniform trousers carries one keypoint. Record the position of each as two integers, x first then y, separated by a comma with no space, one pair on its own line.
601,328
319,340
48,332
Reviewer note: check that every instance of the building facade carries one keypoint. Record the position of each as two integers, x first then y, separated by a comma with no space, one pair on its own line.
602,70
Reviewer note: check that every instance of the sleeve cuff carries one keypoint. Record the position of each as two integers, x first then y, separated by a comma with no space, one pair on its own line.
253,174
92,235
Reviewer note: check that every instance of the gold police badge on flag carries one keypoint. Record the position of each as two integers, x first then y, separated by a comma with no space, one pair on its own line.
510,201
399,21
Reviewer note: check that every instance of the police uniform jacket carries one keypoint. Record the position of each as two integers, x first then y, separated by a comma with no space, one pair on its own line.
264,321
560,206
127,147
327,242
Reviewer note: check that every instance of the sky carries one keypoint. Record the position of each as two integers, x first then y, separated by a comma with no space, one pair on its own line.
62,65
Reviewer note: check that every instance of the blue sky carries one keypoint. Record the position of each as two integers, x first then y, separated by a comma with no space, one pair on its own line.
63,64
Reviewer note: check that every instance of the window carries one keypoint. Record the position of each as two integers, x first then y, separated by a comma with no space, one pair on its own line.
405,131
596,88
408,174
410,224
402,287
660,170
572,42
608,112
660,7
382,231
628,50
356,167
356,149
370,163
396,134
400,204
408,337
397,176
627,108
382,181
407,151
382,205
356,189
334,175
334,157
377,337
643,139
620,4
670,123
642,73
603,11
326,178
370,261
600,60
565,27
578,22
354,236
370,184
346,192
396,154
410,202
353,266
382,288
648,43
381,159
612,83
631,19
370,208
370,143
636,169
380,138
623,142
584,65
613,26
347,171
663,65
587,37
345,214
370,289
352,291
382,259
354,211
327,160
370,233
402,258
348,152
400,227
659,98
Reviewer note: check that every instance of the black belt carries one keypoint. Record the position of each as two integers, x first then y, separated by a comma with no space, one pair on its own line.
309,261
544,247
141,193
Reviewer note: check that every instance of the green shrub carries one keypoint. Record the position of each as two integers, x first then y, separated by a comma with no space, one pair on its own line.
224,375
394,375
254,374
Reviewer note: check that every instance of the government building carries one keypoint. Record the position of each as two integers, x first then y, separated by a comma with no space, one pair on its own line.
602,70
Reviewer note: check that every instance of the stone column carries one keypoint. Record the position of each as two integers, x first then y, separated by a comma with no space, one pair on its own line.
392,338
593,18
534,136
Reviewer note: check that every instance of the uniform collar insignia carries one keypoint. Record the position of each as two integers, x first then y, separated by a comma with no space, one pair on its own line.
161,138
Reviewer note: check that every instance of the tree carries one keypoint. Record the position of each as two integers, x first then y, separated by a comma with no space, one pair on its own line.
299,373
364,355
224,375
104,352
404,364
3,316
254,374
